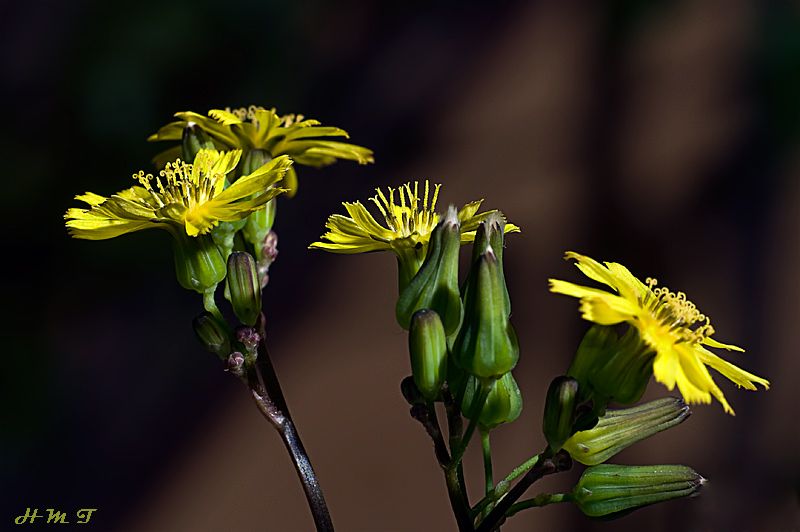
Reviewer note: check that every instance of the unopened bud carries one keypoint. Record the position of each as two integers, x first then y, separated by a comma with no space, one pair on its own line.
259,223
194,139
212,334
269,252
236,363
606,490
435,286
244,287
559,411
486,345
490,235
503,404
248,337
428,348
619,429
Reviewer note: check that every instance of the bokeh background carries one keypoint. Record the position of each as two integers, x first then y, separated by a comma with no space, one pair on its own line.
663,135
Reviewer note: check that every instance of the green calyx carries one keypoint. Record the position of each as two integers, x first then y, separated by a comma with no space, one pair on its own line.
486,345
503,404
258,224
608,490
199,264
611,368
435,285
619,429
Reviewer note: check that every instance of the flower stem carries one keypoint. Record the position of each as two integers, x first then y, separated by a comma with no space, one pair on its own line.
503,486
545,465
475,408
543,499
488,476
266,390
426,415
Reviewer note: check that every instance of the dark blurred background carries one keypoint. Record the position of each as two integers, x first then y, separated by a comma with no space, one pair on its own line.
662,135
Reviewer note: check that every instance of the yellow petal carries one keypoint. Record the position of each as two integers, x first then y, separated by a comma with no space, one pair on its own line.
364,219
225,118
737,375
713,343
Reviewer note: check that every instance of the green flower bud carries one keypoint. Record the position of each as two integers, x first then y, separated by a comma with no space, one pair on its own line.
503,404
619,429
244,287
490,235
435,286
486,345
212,334
199,265
611,490
194,139
610,368
428,348
559,411
259,223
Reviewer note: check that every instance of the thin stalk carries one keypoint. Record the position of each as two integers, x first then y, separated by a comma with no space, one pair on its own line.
210,304
427,416
475,409
543,499
488,476
545,465
265,388
454,427
502,487
486,447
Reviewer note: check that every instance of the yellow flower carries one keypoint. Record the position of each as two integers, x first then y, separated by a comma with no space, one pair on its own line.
256,128
186,197
409,220
667,322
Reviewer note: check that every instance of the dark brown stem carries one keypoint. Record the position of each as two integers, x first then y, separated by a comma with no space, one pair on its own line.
426,415
265,388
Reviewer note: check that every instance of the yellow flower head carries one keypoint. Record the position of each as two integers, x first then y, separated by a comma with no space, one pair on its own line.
190,197
409,217
667,322
257,128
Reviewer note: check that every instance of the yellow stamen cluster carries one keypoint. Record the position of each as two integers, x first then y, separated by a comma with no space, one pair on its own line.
244,113
408,217
676,312
184,183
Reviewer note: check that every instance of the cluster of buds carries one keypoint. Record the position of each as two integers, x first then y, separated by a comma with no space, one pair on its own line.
463,338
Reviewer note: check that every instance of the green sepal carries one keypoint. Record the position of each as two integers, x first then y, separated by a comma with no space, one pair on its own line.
619,429
199,265
486,345
490,235
611,368
259,223
503,404
435,286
